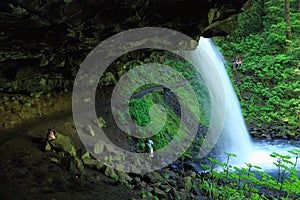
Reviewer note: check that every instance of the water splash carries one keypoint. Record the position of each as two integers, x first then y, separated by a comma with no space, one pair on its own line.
234,137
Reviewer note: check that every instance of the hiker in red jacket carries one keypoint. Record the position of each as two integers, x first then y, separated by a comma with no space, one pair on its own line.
239,62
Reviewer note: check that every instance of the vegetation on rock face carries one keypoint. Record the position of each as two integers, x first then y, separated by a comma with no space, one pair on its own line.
268,87
267,84
147,96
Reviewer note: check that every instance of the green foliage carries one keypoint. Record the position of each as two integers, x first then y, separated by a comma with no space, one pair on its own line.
139,111
251,182
268,82
149,196
167,121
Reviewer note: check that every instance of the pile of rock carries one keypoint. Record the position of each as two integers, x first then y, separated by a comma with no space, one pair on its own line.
67,155
164,184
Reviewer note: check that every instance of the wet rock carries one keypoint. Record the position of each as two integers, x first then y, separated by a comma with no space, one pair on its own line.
291,134
71,163
172,182
146,187
53,41
283,137
63,144
159,193
88,128
165,188
174,194
108,79
101,122
54,160
181,183
98,147
67,164
136,181
79,164
188,183
124,177
193,174
93,164
110,172
266,136
156,185
153,177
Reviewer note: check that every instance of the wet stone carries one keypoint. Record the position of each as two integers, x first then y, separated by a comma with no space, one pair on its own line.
124,177
159,193
89,129
63,144
110,172
153,177
98,147
165,188
93,164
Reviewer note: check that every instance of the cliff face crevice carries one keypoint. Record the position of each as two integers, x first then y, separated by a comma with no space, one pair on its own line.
44,42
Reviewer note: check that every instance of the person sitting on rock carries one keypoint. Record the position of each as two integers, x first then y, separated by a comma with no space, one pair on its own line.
50,135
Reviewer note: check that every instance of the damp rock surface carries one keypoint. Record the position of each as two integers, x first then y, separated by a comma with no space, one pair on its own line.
44,43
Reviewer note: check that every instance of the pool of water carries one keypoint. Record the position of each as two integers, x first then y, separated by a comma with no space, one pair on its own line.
261,151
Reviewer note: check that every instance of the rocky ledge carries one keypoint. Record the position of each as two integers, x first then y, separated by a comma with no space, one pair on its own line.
44,42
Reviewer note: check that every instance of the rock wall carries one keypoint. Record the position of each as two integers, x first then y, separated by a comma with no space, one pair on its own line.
44,42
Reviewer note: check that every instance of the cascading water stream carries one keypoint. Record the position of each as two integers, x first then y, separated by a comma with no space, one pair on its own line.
235,137
226,115
227,126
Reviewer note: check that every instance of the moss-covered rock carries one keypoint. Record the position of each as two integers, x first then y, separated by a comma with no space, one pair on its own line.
63,144
93,164
110,172
153,177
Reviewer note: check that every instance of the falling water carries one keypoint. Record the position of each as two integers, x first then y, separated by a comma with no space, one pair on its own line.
226,115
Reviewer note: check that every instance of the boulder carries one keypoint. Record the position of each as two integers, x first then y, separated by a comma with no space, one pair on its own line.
146,187
108,79
62,144
124,177
79,164
98,147
159,193
153,177
93,164
165,188
88,128
110,172
101,122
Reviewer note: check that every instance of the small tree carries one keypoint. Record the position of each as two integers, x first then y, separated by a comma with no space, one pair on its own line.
287,19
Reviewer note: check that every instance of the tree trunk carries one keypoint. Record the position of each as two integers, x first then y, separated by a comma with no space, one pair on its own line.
287,19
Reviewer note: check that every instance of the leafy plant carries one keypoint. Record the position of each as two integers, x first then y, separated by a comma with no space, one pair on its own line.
251,182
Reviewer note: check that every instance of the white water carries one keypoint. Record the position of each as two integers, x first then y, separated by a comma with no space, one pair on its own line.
226,115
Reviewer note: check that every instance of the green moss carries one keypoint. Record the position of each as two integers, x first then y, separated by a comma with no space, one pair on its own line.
141,109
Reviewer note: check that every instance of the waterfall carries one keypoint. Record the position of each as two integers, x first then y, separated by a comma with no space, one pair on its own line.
226,115
227,131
